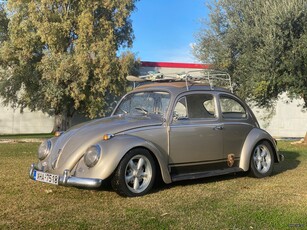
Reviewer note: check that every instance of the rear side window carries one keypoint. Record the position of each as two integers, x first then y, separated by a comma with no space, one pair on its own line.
231,108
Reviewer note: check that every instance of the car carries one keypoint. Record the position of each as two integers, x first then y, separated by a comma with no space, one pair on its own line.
168,128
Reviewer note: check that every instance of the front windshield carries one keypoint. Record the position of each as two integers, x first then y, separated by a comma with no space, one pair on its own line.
144,103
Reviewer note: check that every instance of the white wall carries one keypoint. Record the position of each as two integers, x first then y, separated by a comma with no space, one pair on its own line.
14,122
288,119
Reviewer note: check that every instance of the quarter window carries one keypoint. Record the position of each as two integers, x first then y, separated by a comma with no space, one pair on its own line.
231,108
180,111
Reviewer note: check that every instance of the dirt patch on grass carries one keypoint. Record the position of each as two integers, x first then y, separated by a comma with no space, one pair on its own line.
23,140
300,142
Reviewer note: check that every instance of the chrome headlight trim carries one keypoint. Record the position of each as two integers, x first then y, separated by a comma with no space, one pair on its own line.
92,155
44,149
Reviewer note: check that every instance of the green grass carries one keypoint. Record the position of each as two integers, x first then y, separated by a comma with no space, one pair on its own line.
228,202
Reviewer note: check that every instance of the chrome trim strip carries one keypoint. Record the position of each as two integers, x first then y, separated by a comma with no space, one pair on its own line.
67,180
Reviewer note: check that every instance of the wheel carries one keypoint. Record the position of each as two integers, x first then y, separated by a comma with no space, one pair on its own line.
135,173
262,160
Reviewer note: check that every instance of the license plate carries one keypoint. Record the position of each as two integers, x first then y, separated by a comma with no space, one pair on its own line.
46,177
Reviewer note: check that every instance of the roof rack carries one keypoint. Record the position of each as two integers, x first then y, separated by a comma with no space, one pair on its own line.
211,77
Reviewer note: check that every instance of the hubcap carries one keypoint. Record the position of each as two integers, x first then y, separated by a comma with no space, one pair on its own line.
138,173
262,159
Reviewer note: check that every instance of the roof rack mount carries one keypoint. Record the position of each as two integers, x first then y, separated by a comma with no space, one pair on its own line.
212,77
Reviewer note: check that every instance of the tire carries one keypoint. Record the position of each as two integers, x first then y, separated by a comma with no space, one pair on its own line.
135,174
262,160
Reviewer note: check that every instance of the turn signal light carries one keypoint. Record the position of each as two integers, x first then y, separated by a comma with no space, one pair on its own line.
58,133
107,137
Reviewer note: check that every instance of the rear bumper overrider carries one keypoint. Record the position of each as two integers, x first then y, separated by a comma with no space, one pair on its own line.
281,157
67,180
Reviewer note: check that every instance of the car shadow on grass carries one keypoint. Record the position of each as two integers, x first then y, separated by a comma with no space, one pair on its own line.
206,180
291,162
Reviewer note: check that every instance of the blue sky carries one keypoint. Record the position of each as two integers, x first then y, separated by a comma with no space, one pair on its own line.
165,29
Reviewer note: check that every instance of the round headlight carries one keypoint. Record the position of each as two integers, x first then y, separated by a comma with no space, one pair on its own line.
44,149
92,156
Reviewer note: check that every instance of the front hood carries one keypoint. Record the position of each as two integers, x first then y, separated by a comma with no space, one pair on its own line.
67,150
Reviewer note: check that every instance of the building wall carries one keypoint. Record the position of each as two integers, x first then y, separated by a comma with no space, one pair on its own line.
14,122
287,119
170,68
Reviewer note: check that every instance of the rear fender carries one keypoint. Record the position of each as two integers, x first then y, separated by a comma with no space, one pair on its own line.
114,150
255,135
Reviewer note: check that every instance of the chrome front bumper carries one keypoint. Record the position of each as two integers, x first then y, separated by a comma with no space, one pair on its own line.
67,180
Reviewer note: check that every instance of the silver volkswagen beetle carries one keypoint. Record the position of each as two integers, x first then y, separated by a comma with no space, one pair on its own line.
177,130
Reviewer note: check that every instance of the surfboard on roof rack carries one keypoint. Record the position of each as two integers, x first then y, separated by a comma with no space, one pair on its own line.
212,77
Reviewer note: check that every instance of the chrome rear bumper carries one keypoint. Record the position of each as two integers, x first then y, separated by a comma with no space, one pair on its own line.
67,180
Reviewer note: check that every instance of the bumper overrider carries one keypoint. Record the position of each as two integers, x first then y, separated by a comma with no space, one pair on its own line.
64,180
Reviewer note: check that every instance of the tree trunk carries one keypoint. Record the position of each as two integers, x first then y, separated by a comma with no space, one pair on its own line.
62,122
305,139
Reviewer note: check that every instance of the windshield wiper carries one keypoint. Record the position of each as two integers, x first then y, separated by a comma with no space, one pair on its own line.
124,111
142,110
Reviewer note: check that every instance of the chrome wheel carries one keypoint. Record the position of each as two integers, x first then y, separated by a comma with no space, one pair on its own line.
262,160
135,174
138,174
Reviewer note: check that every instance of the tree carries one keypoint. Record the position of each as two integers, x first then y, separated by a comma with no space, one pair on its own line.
263,44
4,21
62,56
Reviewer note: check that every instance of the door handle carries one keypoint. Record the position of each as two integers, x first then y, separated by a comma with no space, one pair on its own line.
220,127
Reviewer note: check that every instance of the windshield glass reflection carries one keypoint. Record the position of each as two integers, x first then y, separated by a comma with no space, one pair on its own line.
144,103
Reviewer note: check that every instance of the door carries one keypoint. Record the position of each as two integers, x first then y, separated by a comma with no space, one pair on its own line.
195,135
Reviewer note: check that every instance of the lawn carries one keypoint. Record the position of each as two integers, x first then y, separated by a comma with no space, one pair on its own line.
228,202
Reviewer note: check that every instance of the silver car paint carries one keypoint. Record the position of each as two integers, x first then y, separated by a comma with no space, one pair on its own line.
69,148
112,152
154,135
255,135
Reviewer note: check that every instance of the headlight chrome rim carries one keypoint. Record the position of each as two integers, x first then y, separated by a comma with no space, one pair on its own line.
44,149
92,155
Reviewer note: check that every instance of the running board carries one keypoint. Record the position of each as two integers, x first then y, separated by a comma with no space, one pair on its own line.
198,175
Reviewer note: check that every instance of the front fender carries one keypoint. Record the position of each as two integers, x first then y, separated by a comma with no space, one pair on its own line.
254,136
114,150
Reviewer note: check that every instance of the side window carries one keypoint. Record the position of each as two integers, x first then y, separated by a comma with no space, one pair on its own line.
201,106
231,108
195,106
180,111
